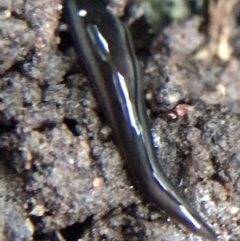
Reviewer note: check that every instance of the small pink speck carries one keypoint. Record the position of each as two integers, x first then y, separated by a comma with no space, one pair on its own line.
97,182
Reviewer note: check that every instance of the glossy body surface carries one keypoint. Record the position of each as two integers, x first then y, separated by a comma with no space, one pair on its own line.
105,47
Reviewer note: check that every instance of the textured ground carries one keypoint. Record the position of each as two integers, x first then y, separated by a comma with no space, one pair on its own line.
61,177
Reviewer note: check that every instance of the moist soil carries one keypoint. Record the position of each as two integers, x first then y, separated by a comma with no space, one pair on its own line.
61,176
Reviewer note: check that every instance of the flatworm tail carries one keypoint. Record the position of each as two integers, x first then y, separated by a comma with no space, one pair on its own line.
105,48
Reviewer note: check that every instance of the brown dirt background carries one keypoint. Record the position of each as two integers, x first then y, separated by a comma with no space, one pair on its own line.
61,177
